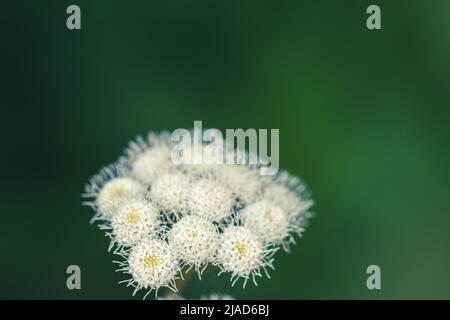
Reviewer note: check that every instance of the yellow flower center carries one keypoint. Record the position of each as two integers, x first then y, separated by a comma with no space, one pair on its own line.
242,249
152,262
117,191
134,217
269,215
194,234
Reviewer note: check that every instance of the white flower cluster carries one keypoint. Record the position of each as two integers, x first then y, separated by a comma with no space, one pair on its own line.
164,219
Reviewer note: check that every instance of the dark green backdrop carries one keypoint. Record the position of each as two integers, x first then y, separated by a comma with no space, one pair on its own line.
363,118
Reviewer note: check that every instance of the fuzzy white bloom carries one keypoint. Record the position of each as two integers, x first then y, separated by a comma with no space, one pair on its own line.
244,182
134,221
152,264
195,241
210,199
165,217
171,192
151,163
148,157
267,221
286,192
116,192
243,254
240,251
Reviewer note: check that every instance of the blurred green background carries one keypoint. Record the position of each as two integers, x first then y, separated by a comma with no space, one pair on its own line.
363,118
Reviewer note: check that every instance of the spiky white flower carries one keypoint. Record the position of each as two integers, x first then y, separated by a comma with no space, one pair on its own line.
286,192
148,158
243,254
163,216
171,192
210,199
195,241
152,265
267,221
134,221
244,182
151,163
116,192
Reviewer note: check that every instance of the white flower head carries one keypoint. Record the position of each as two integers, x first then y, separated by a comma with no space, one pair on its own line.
195,241
152,265
171,192
109,189
210,199
289,193
267,221
148,159
245,182
117,192
133,222
162,215
151,163
243,254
